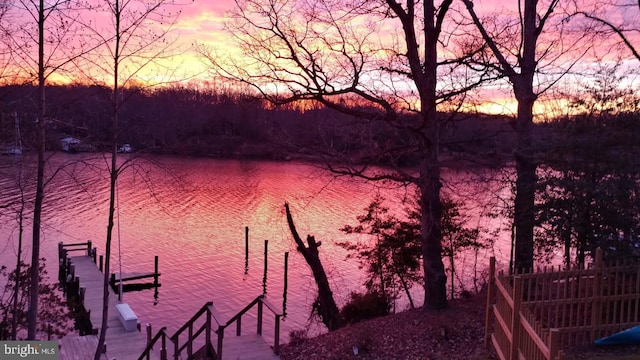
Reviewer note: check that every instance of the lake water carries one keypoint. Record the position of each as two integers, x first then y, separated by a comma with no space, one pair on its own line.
193,213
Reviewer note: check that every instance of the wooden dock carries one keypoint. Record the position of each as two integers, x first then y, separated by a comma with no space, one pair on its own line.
120,344
84,278
76,347
247,347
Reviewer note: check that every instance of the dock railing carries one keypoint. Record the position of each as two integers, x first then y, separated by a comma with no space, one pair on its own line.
213,323
160,336
261,301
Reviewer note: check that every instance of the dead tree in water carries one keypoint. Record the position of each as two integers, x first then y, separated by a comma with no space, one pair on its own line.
325,305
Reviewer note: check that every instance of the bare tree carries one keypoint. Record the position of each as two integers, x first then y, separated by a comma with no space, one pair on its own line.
614,19
135,38
386,62
530,50
39,34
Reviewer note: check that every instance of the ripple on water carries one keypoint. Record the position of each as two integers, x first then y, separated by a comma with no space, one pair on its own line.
193,216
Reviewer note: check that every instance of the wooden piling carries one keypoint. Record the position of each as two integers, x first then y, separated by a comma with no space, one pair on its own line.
246,243
101,263
264,278
284,291
89,247
61,263
155,272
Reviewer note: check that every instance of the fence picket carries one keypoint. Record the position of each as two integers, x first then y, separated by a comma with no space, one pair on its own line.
546,311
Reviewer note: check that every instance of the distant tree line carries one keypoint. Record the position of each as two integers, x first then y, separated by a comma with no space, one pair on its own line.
185,120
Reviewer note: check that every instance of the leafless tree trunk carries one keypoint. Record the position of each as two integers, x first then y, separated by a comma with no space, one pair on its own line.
325,304
20,183
32,315
129,48
29,21
281,41
523,69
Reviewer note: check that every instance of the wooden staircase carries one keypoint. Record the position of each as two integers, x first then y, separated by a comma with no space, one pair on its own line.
199,331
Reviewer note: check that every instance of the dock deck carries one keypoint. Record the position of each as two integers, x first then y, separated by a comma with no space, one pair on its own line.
123,345
247,347
120,344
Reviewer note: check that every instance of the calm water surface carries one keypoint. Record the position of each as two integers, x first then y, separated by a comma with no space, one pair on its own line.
193,213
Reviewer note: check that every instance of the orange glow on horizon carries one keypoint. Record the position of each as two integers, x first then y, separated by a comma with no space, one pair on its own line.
204,24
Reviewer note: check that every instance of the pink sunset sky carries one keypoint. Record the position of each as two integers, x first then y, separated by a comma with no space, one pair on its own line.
203,21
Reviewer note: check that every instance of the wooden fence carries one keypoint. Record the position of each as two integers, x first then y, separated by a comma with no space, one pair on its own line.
533,316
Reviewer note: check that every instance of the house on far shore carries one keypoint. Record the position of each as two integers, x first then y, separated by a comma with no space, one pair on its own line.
70,144
126,148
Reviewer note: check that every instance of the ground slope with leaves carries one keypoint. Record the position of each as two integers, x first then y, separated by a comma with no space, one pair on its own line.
453,333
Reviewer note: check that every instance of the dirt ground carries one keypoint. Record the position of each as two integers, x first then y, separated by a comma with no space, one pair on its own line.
456,333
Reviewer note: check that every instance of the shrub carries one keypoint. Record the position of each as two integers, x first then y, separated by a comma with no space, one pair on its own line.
365,306
298,336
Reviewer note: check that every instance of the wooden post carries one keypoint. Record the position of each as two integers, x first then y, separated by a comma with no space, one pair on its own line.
94,253
490,301
246,250
155,272
260,317
190,341
76,287
61,263
284,291
220,338
264,278
176,349
163,351
101,262
239,326
246,243
276,335
88,247
515,317
554,343
596,310
72,273
148,328
207,331
112,281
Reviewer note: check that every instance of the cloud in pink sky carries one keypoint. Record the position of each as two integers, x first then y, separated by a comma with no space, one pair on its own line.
203,21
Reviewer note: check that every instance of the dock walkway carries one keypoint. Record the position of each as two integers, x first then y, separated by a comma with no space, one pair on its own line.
120,344
88,283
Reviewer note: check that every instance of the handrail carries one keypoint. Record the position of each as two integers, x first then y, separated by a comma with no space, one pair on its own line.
75,244
260,301
270,306
214,314
242,312
189,325
191,321
162,334
208,327
195,335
